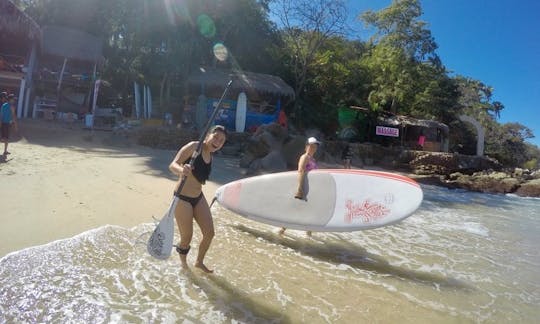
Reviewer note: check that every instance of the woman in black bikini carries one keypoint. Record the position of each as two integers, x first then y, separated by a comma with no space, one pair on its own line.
192,203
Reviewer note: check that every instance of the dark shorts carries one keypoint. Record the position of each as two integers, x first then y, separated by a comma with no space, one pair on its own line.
5,131
192,200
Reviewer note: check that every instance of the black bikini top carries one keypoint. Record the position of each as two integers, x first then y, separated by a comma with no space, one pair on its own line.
200,169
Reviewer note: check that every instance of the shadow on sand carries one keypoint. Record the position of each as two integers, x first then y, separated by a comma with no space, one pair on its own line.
113,145
233,302
344,252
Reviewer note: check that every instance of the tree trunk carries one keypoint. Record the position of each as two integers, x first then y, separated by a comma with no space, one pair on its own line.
393,107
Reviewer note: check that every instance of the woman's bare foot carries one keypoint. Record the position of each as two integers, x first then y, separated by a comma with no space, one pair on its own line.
183,260
201,266
282,231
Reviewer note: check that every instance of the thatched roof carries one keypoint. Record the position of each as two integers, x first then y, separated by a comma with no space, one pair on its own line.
71,43
409,121
263,83
13,20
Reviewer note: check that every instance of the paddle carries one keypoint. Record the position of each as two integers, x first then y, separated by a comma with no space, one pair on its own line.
161,242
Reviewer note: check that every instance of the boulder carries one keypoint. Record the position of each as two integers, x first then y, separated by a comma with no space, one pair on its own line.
272,162
529,188
263,152
446,163
494,182
292,149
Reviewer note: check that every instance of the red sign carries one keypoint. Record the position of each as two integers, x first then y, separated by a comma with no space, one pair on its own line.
387,131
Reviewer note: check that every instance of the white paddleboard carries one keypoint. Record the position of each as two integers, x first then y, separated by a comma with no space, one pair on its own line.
337,200
241,112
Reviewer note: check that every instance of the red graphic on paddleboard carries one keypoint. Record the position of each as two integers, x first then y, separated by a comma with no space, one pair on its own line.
366,211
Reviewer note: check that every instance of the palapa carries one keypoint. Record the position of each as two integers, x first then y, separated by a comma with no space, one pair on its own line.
264,83
15,21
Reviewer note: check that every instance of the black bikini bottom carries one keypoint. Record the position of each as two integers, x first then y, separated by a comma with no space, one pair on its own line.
192,200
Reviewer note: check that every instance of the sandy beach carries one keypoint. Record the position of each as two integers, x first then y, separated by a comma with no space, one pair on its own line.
60,181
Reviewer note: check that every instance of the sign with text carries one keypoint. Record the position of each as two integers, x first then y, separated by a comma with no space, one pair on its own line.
387,131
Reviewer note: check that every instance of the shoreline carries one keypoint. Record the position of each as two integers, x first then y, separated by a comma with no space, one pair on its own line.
62,180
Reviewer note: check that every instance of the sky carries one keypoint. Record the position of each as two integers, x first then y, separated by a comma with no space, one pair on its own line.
493,41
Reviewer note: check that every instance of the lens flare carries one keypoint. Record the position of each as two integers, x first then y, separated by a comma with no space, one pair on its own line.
221,52
206,26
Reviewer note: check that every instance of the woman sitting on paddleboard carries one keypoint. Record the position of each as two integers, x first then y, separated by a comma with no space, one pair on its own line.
192,204
305,164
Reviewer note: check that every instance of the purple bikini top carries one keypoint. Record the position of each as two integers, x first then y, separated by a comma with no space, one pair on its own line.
311,164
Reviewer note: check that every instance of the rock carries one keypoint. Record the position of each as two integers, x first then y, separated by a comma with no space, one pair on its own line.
292,149
434,163
446,163
272,162
246,159
455,175
231,150
264,150
518,172
495,182
529,189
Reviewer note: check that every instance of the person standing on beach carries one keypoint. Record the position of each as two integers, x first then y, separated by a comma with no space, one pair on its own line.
346,156
305,164
192,204
7,117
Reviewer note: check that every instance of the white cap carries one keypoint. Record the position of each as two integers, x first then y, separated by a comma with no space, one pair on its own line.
313,140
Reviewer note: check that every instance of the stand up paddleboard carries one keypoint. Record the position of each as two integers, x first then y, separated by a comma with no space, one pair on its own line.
241,112
337,200
201,114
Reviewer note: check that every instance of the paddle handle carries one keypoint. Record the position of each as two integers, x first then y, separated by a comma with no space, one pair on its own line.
205,131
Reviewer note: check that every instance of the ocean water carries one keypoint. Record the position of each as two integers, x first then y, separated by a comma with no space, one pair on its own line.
461,258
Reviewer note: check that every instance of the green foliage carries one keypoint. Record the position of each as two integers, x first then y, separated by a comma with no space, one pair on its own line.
532,164
533,152
398,27
335,79
436,94
160,43
391,78
307,26
406,74
506,143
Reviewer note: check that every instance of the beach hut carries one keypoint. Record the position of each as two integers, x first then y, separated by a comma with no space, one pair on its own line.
66,76
417,134
360,124
266,96
19,40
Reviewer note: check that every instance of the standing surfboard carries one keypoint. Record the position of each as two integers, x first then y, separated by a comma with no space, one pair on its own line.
137,100
241,112
337,200
201,115
149,105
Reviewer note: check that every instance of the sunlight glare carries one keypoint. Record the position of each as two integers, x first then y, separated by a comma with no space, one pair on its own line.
220,52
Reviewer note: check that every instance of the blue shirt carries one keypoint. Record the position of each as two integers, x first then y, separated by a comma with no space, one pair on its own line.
5,112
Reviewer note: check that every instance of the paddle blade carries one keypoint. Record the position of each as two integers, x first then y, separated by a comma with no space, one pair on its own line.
160,243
